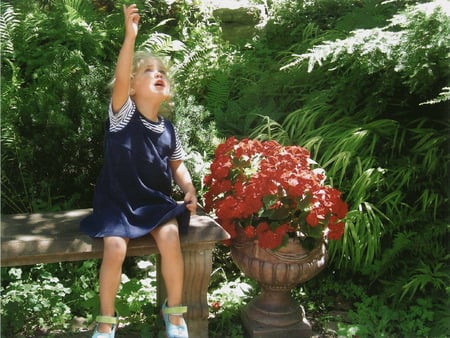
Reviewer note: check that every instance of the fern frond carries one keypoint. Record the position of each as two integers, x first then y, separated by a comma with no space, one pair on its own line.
191,58
443,96
8,23
161,44
218,91
79,12
368,43
401,243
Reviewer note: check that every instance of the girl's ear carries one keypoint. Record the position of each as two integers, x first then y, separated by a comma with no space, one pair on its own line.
132,91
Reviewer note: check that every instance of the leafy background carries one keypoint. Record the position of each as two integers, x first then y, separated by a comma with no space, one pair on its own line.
364,85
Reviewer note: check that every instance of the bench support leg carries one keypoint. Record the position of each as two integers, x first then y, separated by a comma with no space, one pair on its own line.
197,273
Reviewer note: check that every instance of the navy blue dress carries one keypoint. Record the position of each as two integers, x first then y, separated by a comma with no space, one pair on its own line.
132,194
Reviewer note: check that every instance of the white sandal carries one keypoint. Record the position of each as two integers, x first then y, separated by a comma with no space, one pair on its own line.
174,331
106,320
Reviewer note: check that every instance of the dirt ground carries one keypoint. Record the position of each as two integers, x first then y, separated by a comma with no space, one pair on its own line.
130,331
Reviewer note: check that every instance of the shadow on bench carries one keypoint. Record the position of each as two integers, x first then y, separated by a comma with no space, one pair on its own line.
55,237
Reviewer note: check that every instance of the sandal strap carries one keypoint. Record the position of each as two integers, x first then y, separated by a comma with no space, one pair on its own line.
106,319
175,310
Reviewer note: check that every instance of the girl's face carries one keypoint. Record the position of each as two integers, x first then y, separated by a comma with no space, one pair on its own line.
150,80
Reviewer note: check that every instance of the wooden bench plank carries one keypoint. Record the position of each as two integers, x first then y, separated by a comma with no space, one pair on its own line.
55,237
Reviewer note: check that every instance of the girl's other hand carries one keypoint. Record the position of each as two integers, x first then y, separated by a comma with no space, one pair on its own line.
191,202
131,14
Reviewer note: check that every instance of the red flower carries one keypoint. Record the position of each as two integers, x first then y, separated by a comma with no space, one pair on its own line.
336,230
262,228
272,192
267,238
312,219
283,229
216,306
250,231
340,208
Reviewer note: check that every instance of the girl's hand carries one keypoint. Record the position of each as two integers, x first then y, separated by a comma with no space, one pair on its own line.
191,202
131,20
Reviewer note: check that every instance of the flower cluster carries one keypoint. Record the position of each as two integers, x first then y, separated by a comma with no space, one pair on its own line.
270,192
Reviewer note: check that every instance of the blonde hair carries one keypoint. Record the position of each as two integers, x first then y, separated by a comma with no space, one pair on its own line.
143,55
138,59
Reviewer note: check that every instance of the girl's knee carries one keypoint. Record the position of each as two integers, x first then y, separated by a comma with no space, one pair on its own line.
167,235
115,246
169,232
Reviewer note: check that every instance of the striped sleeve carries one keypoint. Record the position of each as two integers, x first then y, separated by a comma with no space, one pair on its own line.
179,153
119,120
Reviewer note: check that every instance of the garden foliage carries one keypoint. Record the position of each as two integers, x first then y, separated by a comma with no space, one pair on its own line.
363,85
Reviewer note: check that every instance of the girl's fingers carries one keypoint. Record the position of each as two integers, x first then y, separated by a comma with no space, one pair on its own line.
131,14
135,18
130,10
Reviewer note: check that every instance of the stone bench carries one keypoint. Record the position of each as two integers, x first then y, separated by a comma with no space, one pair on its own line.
55,237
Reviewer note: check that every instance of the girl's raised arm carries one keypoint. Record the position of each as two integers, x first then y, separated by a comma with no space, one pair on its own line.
121,89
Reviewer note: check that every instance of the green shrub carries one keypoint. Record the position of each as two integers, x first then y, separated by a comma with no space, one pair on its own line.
27,304
374,318
53,107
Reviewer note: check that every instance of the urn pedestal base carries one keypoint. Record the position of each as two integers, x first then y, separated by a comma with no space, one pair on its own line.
274,314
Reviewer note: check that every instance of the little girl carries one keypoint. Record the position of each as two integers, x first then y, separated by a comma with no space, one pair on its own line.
142,156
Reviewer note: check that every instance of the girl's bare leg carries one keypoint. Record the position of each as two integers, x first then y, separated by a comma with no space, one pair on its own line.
114,252
172,265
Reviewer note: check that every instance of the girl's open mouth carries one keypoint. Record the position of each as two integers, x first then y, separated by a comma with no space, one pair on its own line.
159,84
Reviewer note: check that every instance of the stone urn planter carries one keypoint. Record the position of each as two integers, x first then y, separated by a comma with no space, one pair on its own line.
269,197
274,313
